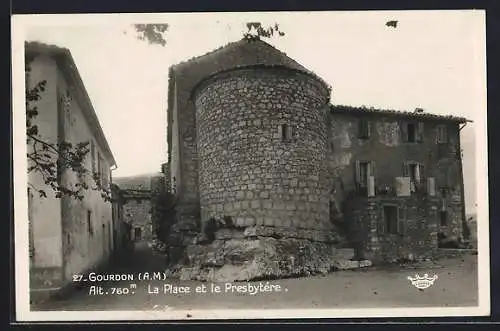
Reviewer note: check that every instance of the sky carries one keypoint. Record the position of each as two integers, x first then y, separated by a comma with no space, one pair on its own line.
432,60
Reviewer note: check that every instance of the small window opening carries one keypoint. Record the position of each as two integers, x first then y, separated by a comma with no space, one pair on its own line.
285,132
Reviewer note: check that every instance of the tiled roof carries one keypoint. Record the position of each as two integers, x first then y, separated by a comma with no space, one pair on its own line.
136,183
239,54
389,112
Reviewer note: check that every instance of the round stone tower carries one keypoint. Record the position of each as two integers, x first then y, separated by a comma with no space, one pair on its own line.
261,141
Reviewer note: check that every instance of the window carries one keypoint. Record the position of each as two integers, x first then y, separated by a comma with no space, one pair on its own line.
443,217
415,171
90,225
287,132
364,129
442,134
364,176
413,132
391,219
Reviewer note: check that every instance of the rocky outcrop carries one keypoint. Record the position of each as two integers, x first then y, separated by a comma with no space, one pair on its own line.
247,255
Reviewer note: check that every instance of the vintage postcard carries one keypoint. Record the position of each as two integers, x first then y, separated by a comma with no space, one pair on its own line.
250,165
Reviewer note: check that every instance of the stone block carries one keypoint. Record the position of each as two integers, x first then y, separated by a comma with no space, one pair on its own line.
264,195
249,221
268,221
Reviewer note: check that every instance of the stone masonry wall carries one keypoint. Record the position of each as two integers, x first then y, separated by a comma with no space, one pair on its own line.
416,238
246,170
138,213
388,152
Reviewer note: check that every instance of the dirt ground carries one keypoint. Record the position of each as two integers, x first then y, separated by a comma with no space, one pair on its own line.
456,286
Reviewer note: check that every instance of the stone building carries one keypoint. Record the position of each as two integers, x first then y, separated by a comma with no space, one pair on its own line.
141,211
67,236
397,176
253,138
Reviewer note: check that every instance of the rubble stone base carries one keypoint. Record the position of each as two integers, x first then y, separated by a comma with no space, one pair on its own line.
258,258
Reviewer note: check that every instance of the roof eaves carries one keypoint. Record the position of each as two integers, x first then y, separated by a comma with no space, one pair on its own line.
391,112
65,53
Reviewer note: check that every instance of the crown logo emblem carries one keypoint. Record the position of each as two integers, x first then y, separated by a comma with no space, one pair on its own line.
422,282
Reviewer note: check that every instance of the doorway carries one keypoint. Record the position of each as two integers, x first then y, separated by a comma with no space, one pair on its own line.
137,234
391,219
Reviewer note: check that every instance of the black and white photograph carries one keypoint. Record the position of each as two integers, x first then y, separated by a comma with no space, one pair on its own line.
178,166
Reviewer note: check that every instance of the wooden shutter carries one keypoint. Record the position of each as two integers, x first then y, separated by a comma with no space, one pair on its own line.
406,170
280,131
402,220
357,173
404,131
291,132
368,128
421,171
431,186
372,173
420,132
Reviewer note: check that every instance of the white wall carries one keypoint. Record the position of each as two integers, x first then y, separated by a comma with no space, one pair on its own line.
82,250
46,212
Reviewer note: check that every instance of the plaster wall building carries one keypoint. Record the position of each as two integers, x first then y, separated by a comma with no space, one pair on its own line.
67,236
